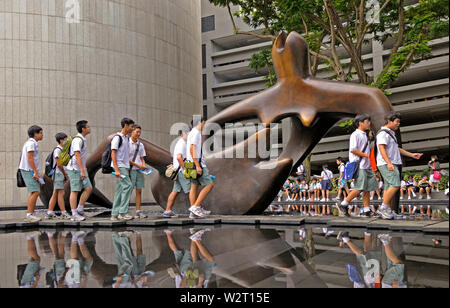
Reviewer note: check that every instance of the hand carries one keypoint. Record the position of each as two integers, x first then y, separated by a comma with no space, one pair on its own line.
199,170
391,167
36,176
142,167
118,174
417,155
83,175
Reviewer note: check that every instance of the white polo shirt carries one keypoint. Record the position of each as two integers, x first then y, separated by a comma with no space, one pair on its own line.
195,138
391,148
180,148
301,169
141,152
358,141
56,155
123,153
77,146
30,145
326,175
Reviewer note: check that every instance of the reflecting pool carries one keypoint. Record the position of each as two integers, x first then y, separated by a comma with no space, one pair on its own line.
222,257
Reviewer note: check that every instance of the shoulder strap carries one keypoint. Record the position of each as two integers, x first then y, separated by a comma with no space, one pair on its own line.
389,133
137,151
120,140
82,141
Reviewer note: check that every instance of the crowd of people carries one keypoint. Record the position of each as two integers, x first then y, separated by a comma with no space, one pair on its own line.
365,183
68,164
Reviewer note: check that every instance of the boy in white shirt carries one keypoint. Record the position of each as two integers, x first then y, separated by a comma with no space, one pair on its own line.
181,183
365,182
137,162
326,177
120,161
59,177
388,162
29,169
194,154
76,169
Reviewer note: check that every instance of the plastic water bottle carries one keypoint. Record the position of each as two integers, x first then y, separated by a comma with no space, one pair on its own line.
41,180
213,177
85,182
122,176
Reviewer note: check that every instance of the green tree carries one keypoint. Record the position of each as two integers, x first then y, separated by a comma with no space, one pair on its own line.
330,24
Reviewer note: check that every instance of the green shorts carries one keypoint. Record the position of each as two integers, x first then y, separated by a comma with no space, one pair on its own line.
366,181
58,181
394,272
32,269
182,184
390,178
59,267
32,184
137,179
204,180
183,259
75,180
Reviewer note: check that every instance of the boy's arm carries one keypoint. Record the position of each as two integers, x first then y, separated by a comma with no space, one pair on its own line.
180,160
114,161
196,162
30,158
61,168
383,153
80,164
409,154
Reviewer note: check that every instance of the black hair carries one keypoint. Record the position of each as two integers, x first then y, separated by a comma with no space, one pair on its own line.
80,125
325,166
361,118
60,136
196,120
126,121
391,117
137,127
340,159
33,130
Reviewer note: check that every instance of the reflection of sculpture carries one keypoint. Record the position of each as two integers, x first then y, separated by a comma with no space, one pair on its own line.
247,186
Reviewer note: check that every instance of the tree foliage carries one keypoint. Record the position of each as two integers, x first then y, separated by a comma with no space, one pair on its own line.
331,24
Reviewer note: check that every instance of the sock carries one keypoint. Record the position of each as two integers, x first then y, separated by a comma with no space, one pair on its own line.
63,212
74,238
385,242
64,233
74,212
138,211
366,209
80,240
50,212
30,237
30,214
346,239
384,206
50,234
80,208
367,234
344,203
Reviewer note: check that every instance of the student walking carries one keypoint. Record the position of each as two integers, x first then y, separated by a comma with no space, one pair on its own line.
76,169
388,162
342,185
59,177
365,179
326,177
137,162
29,169
120,162
194,154
181,183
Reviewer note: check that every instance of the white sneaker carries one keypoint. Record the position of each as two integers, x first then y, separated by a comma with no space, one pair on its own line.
322,200
196,211
193,216
139,215
409,197
32,218
437,189
65,216
327,199
125,217
77,217
428,197
279,199
401,198
414,195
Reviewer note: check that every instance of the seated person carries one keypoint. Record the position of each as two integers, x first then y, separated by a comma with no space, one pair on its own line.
424,186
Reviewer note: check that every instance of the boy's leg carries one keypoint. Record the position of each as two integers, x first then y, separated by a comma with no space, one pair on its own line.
61,202
52,202
193,193
138,199
205,191
126,190
32,199
73,200
171,200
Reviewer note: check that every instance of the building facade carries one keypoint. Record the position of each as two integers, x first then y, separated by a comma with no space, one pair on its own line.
421,94
96,60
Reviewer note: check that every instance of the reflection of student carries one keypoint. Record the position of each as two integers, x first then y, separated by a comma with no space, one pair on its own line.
394,276
79,266
192,271
59,270
29,274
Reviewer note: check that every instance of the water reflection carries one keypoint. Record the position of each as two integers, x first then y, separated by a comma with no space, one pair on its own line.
222,257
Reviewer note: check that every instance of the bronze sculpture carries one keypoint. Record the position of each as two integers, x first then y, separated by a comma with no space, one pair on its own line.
248,185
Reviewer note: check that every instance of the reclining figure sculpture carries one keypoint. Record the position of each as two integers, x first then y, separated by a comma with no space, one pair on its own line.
248,185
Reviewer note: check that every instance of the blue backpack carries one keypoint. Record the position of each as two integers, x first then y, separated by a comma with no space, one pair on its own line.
352,168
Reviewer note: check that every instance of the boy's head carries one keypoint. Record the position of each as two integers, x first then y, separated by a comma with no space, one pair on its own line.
424,177
198,122
136,133
393,120
83,127
184,133
325,167
314,180
36,132
304,182
339,160
363,122
127,125
61,138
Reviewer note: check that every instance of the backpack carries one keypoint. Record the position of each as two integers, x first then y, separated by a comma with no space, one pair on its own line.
50,166
65,157
374,150
107,158
352,168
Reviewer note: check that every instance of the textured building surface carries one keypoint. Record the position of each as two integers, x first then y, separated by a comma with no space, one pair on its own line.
421,94
140,59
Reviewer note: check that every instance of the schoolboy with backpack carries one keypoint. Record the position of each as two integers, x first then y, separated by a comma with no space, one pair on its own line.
358,168
57,171
76,169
